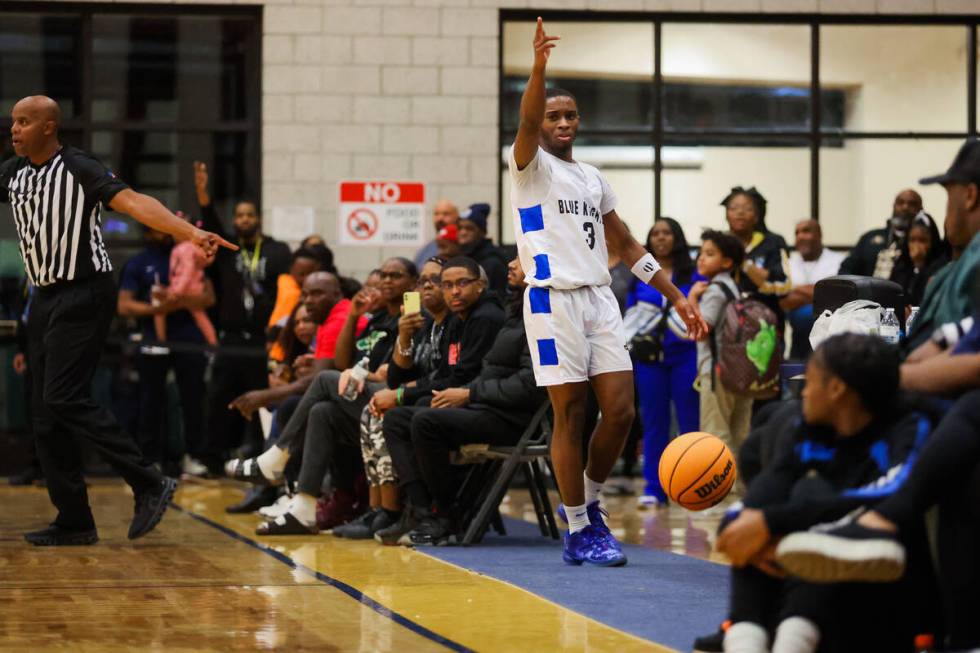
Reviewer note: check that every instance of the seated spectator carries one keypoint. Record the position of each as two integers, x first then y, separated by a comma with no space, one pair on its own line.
877,250
418,346
447,242
666,368
852,446
722,413
290,285
765,268
475,244
948,297
295,340
444,213
922,255
810,263
324,426
477,317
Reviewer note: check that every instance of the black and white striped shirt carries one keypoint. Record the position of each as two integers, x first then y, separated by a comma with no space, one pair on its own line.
57,208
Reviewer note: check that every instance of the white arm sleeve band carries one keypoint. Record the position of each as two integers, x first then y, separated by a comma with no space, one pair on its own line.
645,268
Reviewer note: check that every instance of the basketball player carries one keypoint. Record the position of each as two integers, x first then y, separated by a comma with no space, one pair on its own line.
57,193
565,217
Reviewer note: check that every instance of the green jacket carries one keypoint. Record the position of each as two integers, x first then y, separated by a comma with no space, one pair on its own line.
949,295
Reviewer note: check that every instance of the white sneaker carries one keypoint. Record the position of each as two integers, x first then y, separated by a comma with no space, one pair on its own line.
193,467
278,509
647,501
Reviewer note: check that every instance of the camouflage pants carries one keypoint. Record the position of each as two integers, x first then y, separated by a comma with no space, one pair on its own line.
374,451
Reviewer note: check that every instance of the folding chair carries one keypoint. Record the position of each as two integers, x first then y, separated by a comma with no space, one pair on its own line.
493,469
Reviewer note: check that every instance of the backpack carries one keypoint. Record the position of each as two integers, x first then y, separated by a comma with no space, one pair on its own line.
747,352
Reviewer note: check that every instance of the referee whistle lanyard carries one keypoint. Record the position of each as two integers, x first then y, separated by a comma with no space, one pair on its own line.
248,298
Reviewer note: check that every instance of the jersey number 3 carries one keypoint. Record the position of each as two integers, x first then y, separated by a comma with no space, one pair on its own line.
589,233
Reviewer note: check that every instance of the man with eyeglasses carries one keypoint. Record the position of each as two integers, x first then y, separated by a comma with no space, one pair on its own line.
566,223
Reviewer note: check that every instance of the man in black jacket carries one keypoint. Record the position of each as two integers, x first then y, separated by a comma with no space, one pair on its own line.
245,285
867,259
493,409
473,240
477,319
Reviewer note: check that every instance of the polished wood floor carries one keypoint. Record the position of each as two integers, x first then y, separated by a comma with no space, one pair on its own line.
203,582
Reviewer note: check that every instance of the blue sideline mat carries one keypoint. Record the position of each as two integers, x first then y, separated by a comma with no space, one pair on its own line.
662,597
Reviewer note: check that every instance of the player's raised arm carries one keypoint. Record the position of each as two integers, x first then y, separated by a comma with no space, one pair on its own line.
645,267
532,102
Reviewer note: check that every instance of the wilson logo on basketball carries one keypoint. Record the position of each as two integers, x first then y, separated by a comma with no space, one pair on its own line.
715,482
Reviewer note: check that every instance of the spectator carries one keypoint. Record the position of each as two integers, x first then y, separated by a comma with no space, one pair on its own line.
669,377
765,271
810,263
289,286
722,413
245,288
877,250
493,408
295,340
187,264
146,270
923,254
447,242
948,297
475,244
444,213
852,445
32,471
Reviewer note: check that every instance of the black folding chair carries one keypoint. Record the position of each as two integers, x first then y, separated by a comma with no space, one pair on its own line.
493,469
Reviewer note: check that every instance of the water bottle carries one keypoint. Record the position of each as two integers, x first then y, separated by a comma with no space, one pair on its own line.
911,320
357,375
888,328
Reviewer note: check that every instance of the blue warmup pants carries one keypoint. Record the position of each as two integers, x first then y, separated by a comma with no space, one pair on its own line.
657,385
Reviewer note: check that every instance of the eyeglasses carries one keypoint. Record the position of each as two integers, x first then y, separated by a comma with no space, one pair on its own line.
431,280
462,284
393,276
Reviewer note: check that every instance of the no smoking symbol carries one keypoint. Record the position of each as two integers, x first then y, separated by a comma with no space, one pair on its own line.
362,224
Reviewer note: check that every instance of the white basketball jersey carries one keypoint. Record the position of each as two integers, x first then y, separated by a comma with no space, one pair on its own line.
558,208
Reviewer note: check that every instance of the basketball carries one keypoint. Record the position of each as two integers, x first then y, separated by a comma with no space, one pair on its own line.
697,470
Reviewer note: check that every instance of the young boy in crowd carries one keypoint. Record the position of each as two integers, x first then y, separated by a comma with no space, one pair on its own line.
852,446
722,413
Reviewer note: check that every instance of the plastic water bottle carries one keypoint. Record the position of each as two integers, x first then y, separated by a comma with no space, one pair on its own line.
911,320
357,376
889,327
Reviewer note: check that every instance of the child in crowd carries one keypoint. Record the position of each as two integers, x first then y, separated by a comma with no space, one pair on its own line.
722,413
187,265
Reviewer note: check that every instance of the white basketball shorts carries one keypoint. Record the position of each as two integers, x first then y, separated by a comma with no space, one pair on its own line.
574,334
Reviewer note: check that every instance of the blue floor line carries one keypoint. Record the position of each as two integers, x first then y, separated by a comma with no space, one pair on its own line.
662,597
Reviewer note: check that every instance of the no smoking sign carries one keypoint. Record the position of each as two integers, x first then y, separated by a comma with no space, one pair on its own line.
381,213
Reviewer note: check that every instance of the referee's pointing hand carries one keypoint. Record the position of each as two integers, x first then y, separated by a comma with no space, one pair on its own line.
209,242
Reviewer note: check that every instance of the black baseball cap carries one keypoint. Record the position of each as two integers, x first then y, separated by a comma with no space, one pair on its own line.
965,168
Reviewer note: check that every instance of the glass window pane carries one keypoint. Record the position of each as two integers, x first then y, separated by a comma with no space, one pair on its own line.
696,179
40,54
859,182
897,77
736,77
170,68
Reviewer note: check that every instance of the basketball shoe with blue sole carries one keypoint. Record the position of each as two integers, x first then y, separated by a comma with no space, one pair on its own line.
592,546
609,543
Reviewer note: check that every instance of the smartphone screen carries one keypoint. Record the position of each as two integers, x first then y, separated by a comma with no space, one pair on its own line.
412,303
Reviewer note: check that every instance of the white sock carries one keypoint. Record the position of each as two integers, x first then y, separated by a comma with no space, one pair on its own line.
303,507
272,462
578,518
746,637
592,489
796,635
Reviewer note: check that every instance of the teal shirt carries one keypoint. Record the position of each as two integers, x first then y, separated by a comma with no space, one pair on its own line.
949,295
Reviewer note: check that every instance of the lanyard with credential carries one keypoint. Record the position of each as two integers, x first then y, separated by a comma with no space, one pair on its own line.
248,298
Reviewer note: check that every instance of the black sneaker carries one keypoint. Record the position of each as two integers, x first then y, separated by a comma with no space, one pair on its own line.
713,643
55,535
150,507
844,553
430,531
255,498
365,526
391,534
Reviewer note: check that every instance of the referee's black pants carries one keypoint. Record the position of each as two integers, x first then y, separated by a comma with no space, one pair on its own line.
67,328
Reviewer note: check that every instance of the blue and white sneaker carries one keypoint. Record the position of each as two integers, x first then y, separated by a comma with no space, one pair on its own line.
596,516
594,547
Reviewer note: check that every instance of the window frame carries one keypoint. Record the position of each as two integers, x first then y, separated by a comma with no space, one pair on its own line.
815,137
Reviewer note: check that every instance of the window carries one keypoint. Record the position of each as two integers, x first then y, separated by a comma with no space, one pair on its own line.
829,116
148,91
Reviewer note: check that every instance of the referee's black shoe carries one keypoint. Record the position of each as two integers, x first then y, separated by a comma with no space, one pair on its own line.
150,507
55,535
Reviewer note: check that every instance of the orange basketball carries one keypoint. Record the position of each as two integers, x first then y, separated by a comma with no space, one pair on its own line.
697,470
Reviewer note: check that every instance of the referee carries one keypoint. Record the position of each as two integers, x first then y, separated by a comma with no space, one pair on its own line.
57,193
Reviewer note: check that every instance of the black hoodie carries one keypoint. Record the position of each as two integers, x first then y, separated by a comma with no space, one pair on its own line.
492,260
464,345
